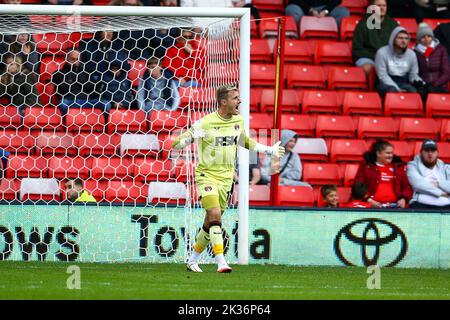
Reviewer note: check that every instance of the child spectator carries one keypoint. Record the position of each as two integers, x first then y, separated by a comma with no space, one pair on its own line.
115,87
330,196
359,196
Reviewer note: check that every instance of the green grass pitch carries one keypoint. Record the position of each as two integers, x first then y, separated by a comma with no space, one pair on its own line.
47,280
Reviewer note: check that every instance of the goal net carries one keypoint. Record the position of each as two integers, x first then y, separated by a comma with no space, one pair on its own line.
90,100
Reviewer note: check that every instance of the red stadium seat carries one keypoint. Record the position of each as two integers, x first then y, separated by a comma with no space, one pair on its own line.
348,25
168,192
362,103
306,76
321,173
344,194
96,144
260,51
262,75
376,127
403,149
23,166
295,196
152,170
403,104
9,188
43,118
445,130
409,24
182,169
434,23
300,123
140,145
69,167
320,102
17,142
290,101
269,5
125,120
138,67
255,99
311,149
167,120
312,27
85,120
356,7
438,105
297,51
350,173
197,98
261,121
259,195
268,28
443,147
10,117
418,128
126,192
46,93
348,78
48,143
335,126
347,150
331,52
54,43
112,168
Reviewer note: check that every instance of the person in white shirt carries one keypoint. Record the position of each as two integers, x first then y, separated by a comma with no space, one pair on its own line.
429,178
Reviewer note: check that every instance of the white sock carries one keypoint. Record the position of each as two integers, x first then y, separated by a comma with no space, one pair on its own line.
194,257
220,260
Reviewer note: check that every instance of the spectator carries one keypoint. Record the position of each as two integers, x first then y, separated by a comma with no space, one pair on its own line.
248,4
115,87
401,8
76,193
290,163
435,9
366,41
330,196
429,178
254,170
157,90
442,33
23,46
19,86
169,3
385,175
97,53
396,65
433,61
75,87
316,8
359,196
185,59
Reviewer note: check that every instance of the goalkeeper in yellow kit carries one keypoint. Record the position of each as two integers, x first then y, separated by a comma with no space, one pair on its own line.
218,134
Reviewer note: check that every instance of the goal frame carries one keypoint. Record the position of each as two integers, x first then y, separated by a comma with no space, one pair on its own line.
243,14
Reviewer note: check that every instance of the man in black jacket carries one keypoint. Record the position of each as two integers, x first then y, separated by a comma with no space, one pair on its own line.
316,8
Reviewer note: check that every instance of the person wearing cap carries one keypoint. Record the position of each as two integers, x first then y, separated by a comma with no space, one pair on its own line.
290,166
396,65
433,61
430,179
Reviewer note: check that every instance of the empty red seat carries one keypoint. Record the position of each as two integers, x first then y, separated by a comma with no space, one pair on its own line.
255,99
43,118
19,142
126,192
167,120
320,102
112,168
376,127
403,149
445,130
96,144
311,149
297,51
124,120
312,27
152,170
347,150
24,166
10,117
259,195
196,98
54,43
403,104
409,24
9,189
438,105
363,103
69,167
300,123
350,173
348,78
262,75
49,65
306,76
331,52
418,128
348,26
261,121
138,67
321,173
269,28
85,120
46,93
295,196
356,7
260,51
269,5
335,126
55,143
289,103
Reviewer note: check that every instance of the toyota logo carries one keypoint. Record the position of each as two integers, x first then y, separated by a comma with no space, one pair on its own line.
372,236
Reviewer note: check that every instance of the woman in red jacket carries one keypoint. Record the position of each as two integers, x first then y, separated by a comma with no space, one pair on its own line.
385,175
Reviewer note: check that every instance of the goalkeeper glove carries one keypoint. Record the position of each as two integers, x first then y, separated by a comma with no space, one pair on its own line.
276,150
197,131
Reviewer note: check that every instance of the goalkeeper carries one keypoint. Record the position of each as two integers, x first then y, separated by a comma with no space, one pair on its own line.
218,134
